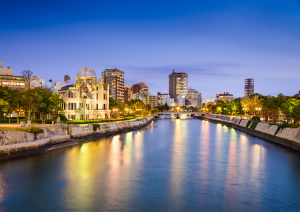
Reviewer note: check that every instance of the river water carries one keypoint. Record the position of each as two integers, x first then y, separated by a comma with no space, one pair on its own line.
172,164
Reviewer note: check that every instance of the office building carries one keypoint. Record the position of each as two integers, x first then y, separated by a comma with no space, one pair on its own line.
126,93
194,97
225,97
140,87
8,79
209,101
249,87
151,100
115,79
67,79
178,85
5,71
166,99
180,100
87,99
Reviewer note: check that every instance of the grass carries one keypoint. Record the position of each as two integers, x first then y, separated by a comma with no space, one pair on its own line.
34,130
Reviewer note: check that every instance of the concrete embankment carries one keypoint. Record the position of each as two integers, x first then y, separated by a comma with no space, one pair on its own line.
289,137
66,135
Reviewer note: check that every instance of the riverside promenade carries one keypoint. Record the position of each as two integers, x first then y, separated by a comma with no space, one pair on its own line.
66,135
288,137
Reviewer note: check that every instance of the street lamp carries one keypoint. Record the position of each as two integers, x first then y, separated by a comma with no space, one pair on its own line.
244,109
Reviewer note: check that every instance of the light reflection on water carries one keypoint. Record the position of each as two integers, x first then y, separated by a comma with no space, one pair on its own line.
172,164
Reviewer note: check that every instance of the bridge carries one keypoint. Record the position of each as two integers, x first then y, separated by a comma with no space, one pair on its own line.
177,114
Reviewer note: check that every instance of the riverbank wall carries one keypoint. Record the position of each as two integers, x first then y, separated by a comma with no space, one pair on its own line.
288,137
67,135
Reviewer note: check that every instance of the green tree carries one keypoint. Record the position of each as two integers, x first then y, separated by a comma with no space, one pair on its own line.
115,104
46,102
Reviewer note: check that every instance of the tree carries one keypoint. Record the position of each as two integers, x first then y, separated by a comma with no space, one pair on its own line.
8,105
115,104
46,101
154,111
149,106
296,114
29,78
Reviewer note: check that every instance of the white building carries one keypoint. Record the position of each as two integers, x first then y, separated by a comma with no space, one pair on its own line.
5,71
180,100
168,100
37,82
87,100
207,101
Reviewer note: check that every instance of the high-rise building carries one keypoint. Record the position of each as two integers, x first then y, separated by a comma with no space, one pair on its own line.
249,87
126,93
67,79
194,97
140,87
178,85
115,79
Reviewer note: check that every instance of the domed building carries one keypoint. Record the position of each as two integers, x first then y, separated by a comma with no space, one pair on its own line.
87,100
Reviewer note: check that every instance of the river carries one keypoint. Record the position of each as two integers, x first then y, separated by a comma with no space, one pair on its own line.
172,164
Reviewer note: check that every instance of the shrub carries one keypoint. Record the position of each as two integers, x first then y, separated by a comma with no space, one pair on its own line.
255,118
249,122
95,127
254,124
35,130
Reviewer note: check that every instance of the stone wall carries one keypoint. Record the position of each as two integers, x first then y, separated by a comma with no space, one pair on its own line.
14,137
243,123
60,129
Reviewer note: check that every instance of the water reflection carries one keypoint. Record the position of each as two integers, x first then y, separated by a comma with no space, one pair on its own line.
173,164
178,157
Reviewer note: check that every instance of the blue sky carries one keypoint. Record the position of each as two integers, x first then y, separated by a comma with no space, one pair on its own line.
217,43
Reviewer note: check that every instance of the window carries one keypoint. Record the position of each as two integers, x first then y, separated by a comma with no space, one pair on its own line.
68,106
97,88
104,107
97,96
96,106
74,106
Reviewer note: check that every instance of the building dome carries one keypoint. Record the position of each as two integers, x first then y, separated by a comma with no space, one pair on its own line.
86,72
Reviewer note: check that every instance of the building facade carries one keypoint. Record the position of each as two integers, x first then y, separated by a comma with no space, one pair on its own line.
249,87
166,99
140,87
225,97
8,79
86,100
209,101
115,79
194,97
151,100
178,85
126,93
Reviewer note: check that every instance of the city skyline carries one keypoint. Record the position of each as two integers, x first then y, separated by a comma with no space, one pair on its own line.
217,44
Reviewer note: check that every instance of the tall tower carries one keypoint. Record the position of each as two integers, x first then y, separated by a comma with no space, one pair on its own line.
249,87
178,84
115,79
